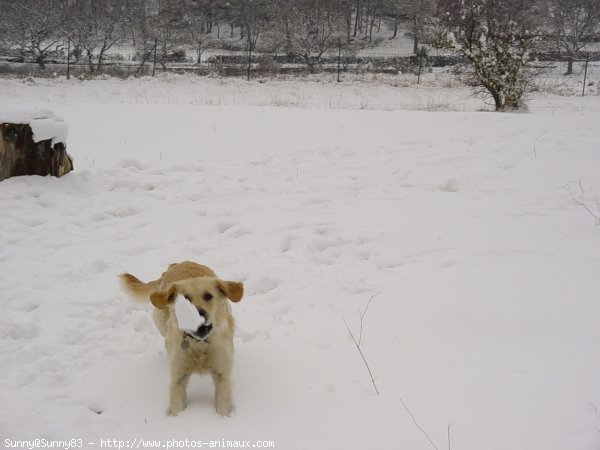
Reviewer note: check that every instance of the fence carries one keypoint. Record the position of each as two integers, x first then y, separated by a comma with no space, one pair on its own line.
238,64
231,66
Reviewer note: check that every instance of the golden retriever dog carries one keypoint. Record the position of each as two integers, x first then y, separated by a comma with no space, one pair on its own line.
207,350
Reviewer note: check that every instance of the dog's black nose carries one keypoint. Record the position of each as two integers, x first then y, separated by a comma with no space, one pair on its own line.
203,331
202,312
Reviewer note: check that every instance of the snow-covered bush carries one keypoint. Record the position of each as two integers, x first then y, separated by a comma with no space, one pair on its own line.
495,39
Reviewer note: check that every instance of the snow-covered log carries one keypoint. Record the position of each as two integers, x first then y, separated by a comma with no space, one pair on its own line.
33,143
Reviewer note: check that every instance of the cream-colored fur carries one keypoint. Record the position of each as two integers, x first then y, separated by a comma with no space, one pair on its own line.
200,285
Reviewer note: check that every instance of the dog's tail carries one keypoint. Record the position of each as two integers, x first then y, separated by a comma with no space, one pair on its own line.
137,288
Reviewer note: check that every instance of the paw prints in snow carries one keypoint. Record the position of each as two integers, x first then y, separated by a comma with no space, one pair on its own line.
263,285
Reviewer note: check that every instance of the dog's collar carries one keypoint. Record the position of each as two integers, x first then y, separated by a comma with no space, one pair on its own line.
185,344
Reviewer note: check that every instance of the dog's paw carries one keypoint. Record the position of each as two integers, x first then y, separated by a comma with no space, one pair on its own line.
224,413
224,410
174,410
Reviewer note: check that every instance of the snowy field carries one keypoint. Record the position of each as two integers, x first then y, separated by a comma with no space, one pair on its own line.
471,227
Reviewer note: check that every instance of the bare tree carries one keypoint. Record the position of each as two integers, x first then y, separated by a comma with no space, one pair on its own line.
199,18
494,38
311,27
373,13
366,14
572,21
393,13
80,29
420,13
136,23
167,27
35,27
96,27
254,16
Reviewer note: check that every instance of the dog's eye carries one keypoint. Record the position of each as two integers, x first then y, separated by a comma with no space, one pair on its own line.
207,296
188,298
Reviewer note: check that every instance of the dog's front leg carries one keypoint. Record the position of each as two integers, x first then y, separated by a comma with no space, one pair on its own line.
222,393
177,392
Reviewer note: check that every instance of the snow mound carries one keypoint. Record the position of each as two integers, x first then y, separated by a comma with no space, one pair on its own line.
44,123
188,317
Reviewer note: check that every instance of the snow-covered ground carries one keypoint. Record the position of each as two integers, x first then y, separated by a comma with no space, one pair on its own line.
470,226
440,90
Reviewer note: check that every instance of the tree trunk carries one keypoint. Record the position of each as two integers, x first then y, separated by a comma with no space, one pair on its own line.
497,99
100,59
133,35
19,155
416,35
569,66
90,57
356,18
348,25
40,61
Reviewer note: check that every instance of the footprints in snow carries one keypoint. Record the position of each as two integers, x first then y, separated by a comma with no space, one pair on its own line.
328,245
116,212
264,285
231,229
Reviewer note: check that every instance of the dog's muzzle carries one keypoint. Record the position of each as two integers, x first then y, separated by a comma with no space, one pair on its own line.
201,334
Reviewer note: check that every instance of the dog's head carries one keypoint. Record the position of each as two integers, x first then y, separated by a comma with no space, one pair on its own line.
208,295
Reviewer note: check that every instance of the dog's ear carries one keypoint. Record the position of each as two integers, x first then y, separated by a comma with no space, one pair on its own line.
162,299
231,289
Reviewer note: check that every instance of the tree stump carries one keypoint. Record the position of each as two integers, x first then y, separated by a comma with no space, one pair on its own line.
20,155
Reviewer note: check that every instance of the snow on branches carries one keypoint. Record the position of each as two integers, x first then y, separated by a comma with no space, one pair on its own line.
495,39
